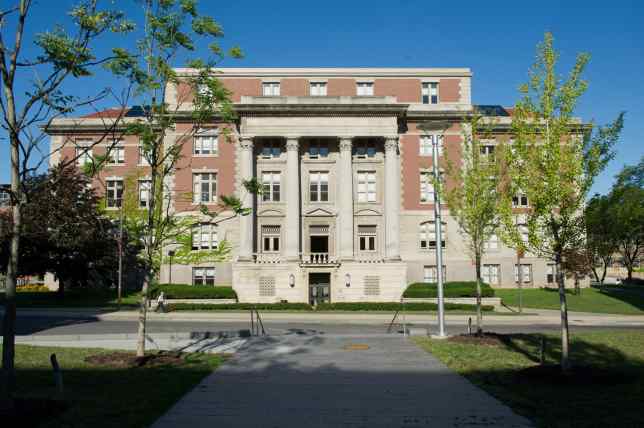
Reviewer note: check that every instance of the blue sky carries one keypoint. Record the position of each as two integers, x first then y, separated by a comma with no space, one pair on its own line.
495,39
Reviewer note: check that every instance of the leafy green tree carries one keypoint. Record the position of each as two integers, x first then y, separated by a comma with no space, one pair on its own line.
170,30
553,161
61,55
473,200
627,214
601,242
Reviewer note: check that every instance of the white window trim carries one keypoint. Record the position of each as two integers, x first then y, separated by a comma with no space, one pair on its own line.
273,237
428,232
271,186
368,193
368,237
318,186
107,190
275,86
205,270
430,185
213,238
196,197
140,189
434,268
213,134
115,149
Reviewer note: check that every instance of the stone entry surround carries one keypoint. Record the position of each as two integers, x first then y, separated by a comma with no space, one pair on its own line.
333,381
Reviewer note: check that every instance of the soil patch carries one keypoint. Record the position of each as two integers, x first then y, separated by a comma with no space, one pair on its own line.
130,360
31,412
489,339
579,375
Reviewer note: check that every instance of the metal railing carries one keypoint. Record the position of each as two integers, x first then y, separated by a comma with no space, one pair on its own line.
256,324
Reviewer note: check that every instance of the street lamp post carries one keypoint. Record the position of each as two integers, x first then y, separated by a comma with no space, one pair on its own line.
170,255
120,280
439,239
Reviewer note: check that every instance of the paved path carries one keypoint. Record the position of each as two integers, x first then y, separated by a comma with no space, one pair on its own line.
309,381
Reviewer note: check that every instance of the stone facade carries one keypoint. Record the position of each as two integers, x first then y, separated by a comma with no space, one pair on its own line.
339,154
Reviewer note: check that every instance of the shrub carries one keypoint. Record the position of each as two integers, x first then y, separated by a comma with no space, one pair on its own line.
186,291
239,306
32,288
451,289
394,306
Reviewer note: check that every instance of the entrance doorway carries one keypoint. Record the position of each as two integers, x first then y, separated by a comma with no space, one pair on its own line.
319,244
319,288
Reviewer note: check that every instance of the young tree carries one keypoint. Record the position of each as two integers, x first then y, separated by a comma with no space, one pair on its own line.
553,161
170,31
473,200
32,95
627,214
601,241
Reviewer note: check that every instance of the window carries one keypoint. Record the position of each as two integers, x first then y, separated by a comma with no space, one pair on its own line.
114,193
271,149
203,276
490,274
487,152
426,145
206,143
204,236
520,201
318,149
526,273
270,186
270,239
430,93
364,89
143,157
367,238
319,186
426,187
317,89
367,186
524,232
430,274
144,193
116,155
5,200
428,235
83,152
364,148
550,273
492,243
271,89
204,187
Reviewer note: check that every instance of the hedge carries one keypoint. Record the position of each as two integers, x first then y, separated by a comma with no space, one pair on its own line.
322,307
239,306
450,289
394,306
187,291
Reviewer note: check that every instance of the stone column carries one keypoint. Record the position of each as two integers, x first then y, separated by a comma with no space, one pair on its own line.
392,199
345,199
292,199
246,221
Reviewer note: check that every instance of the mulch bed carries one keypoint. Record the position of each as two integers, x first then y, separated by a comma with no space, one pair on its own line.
578,375
489,339
127,360
31,412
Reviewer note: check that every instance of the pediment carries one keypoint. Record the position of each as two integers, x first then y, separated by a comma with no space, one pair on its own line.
320,212
367,212
270,212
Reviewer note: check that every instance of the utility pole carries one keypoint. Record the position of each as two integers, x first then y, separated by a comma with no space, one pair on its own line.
520,278
439,238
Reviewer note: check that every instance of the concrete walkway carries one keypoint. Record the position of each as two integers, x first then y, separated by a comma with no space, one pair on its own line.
336,381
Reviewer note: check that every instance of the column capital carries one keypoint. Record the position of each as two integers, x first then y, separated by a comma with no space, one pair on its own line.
391,142
345,144
246,142
292,144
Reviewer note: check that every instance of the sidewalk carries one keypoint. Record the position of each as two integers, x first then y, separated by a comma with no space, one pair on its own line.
530,316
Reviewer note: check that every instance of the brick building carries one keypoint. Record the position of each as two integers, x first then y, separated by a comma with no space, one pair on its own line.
347,208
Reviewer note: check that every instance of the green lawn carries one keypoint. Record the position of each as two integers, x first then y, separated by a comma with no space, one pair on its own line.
75,299
107,397
627,300
495,369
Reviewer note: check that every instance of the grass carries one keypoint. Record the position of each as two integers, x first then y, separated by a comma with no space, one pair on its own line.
451,289
75,299
627,300
496,370
103,396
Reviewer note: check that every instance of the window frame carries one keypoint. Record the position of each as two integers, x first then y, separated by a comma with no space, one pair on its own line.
117,190
210,135
272,238
200,230
141,184
523,273
316,185
520,200
426,191
270,148
321,148
273,89
205,277
84,152
427,142
116,154
486,274
317,89
368,146
363,85
430,93
425,233
434,268
197,181
368,241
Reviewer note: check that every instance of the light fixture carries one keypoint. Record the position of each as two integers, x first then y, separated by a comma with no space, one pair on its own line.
291,280
347,279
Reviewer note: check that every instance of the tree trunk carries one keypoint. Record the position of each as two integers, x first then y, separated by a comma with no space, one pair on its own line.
9,321
143,309
479,314
565,332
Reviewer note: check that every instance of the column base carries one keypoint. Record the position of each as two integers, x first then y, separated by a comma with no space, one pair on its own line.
244,258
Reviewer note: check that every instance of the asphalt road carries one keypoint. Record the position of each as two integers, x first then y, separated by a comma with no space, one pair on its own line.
61,325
